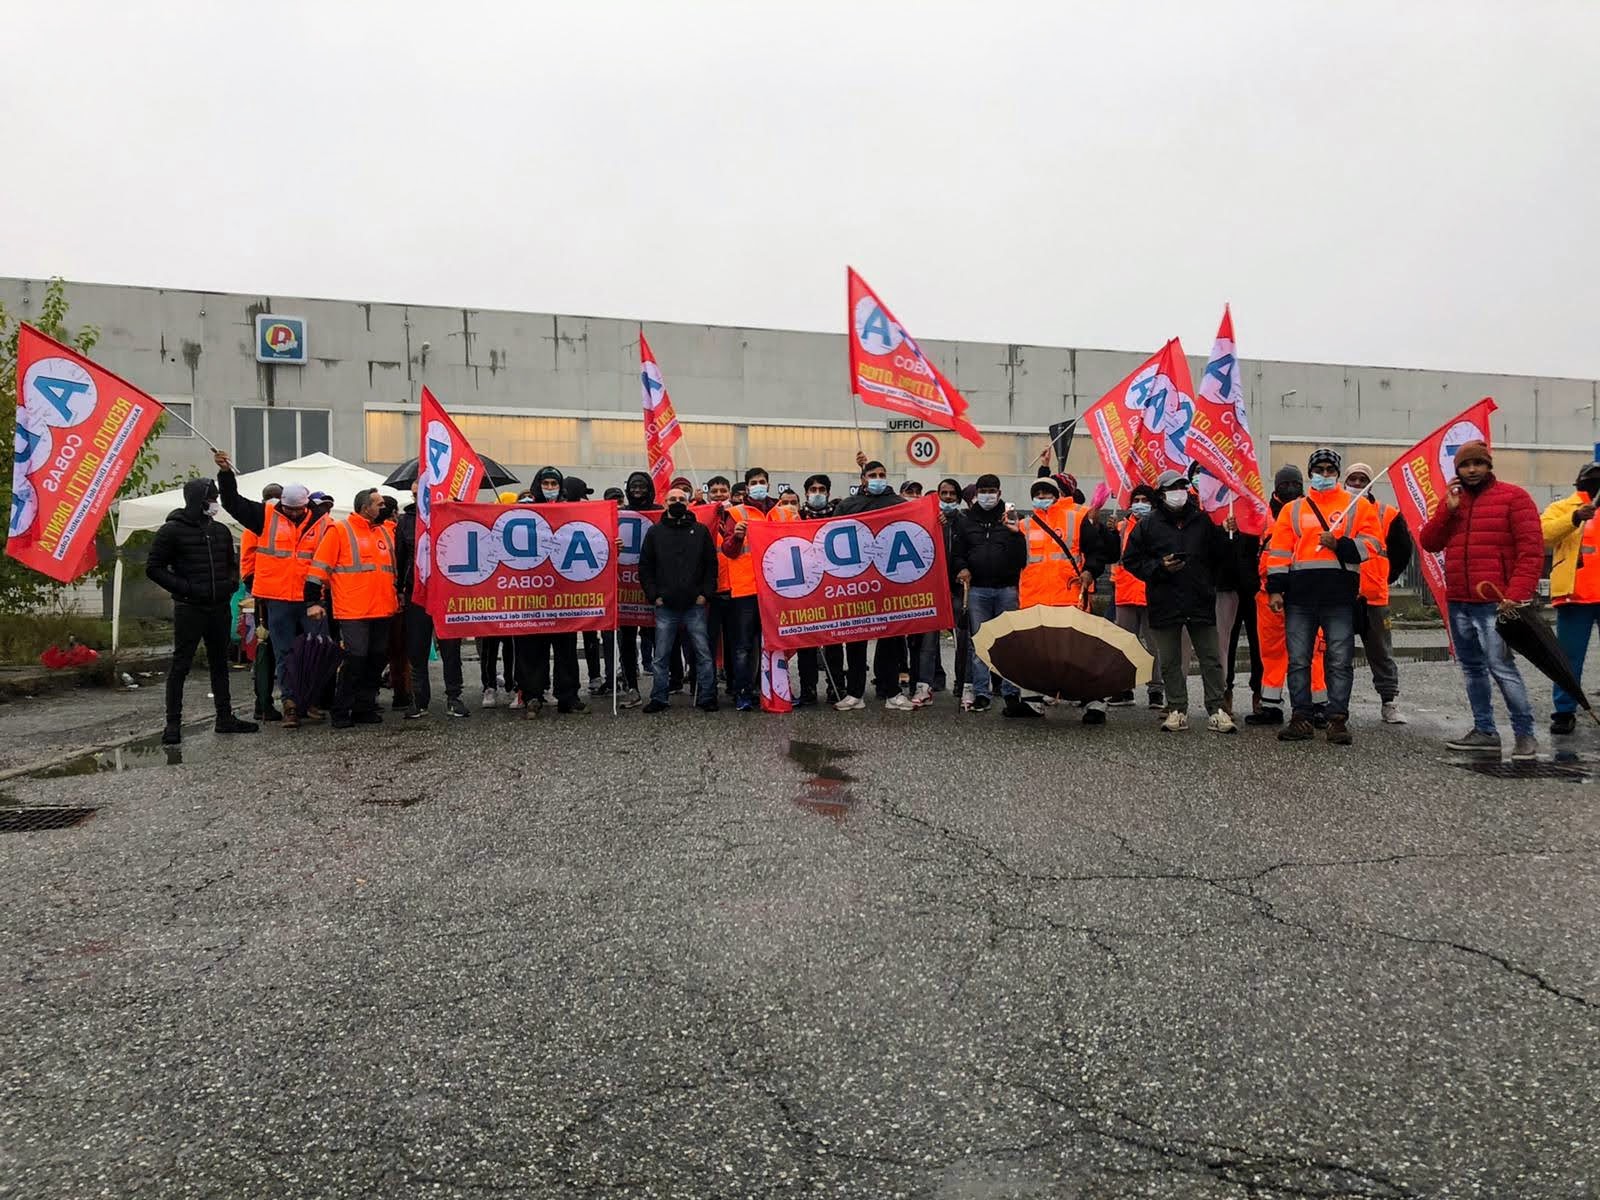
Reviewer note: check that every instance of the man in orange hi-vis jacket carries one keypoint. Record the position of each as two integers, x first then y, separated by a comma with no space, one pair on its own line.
355,563
1319,543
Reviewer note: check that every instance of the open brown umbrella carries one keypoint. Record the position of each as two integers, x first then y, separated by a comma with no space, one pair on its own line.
1063,652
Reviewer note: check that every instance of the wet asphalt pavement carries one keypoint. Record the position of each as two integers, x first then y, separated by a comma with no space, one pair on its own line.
912,955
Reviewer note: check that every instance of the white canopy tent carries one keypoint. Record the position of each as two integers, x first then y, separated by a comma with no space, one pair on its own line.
319,472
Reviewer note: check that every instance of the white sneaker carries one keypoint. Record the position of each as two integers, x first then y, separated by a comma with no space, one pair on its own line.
516,700
1176,722
967,697
899,702
1221,722
1392,714
490,697
850,704
922,697
629,699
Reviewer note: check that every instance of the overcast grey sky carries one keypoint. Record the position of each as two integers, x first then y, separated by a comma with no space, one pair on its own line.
1414,182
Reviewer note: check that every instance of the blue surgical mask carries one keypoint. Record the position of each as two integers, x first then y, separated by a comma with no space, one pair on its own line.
549,493
1040,503
1140,508
988,499
817,499
756,491
949,505
1324,483
877,486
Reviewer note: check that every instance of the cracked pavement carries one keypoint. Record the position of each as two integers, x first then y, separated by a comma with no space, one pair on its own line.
927,956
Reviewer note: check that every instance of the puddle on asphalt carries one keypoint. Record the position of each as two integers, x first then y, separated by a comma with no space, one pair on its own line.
144,752
826,792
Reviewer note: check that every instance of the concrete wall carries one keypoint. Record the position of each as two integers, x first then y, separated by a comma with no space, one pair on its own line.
200,346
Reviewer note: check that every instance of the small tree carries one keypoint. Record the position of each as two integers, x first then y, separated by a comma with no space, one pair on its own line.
23,589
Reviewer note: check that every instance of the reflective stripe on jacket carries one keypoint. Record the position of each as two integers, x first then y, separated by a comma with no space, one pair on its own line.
355,559
283,554
1051,576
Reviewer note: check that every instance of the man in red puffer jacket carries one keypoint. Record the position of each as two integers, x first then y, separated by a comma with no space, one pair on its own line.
1493,551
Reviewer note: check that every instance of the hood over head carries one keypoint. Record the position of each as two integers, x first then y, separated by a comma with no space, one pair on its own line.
639,490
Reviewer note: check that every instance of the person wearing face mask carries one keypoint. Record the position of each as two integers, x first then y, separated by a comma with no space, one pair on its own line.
819,660
1177,552
1319,543
745,616
192,560
990,553
1288,486
1372,609
1489,533
1065,556
287,534
264,673
419,627
1132,611
1572,535
929,676
353,573
876,493
719,628
678,574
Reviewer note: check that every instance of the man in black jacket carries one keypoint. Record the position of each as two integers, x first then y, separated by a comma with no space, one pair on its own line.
419,626
818,505
535,651
889,660
678,574
990,552
192,560
1179,553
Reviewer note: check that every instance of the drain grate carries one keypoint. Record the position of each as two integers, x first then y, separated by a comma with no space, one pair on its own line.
1533,770
34,819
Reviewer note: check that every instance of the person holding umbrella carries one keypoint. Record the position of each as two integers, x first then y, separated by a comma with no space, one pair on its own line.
1573,537
990,553
1493,552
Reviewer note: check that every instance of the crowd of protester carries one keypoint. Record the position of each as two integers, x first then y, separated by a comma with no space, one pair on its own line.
1190,584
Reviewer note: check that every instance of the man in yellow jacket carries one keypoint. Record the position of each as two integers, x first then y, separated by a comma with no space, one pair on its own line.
1572,534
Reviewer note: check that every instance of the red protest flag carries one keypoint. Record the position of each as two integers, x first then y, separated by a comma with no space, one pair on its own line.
447,469
868,575
1422,475
1220,439
525,568
889,370
79,429
1141,426
661,428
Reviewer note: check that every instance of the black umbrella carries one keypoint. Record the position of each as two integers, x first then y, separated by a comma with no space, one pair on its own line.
312,661
1530,635
494,475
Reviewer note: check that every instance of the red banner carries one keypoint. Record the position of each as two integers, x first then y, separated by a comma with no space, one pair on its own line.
1141,427
633,608
1423,474
888,369
504,570
447,469
868,575
79,428
661,429
1220,439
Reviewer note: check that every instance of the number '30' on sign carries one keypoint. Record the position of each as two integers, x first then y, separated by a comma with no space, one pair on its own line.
923,450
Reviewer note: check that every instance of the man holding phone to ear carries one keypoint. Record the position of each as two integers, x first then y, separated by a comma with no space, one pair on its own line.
1493,554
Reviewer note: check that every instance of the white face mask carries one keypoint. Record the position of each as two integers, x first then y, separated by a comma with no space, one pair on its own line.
988,499
1175,499
213,509
1140,508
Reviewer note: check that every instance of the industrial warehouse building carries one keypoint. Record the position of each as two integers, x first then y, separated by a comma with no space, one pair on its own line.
534,388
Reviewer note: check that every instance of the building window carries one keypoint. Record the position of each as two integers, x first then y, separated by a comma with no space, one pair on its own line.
620,444
265,437
392,437
182,414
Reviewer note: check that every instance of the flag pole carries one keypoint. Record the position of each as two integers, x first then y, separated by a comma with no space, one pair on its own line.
616,659
168,412
855,419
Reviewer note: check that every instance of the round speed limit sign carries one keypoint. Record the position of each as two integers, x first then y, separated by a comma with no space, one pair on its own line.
923,450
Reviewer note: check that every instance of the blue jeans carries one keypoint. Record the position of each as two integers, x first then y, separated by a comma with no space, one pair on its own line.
1573,623
985,604
1337,620
1482,654
744,620
286,619
692,622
